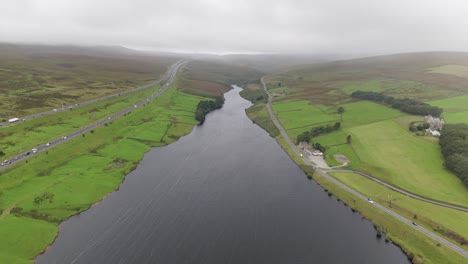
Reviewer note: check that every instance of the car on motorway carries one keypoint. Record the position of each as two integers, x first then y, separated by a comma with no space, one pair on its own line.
48,144
34,150
27,153
370,200
65,137
413,223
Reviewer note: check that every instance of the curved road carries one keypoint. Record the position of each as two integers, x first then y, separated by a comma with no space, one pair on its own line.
352,191
170,78
65,108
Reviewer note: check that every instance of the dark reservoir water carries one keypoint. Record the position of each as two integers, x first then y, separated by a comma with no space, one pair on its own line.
225,193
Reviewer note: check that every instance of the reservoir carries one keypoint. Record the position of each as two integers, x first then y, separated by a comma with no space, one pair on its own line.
225,193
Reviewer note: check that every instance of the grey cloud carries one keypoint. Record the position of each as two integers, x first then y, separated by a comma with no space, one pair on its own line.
294,26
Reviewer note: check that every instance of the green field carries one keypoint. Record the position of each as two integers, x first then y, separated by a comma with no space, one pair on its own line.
37,194
457,70
390,153
447,222
455,109
21,137
299,116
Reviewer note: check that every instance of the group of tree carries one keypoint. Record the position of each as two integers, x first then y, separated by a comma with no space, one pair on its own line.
453,142
205,106
420,127
407,105
316,131
319,147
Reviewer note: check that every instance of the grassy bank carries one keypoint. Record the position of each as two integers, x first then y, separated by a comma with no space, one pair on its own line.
37,194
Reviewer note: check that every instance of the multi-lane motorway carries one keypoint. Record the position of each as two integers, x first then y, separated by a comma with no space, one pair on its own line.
170,79
68,107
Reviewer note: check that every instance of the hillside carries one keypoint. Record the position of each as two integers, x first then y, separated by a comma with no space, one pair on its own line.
425,76
36,78
214,77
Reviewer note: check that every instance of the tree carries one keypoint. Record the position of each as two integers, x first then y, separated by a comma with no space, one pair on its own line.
348,139
2,153
341,110
304,137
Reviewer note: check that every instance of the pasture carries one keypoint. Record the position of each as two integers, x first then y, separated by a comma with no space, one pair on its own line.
457,70
392,154
455,108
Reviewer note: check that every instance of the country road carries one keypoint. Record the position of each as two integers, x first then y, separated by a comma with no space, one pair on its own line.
352,191
170,78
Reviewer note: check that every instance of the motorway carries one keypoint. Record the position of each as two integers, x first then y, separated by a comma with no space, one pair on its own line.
352,191
68,107
170,79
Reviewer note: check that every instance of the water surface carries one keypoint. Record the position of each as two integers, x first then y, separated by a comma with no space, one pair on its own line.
225,193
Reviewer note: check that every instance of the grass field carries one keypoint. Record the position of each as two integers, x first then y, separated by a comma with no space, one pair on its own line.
455,109
20,137
394,155
299,116
458,70
38,78
35,195
445,221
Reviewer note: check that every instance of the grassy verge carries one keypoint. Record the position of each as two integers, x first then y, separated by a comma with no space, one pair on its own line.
20,137
417,246
446,222
69,178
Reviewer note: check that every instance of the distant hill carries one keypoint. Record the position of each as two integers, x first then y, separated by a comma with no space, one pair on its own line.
424,76
213,77
40,77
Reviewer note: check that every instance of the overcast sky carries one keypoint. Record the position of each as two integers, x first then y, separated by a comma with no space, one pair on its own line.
242,26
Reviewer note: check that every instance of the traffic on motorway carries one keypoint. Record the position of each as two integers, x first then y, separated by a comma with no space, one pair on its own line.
95,100
170,79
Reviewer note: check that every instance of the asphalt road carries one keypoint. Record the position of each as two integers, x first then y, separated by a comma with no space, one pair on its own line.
170,78
68,107
357,194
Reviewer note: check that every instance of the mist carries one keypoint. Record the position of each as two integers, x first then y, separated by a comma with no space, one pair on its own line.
243,26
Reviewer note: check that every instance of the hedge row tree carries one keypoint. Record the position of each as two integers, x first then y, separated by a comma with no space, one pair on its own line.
406,105
453,142
316,131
